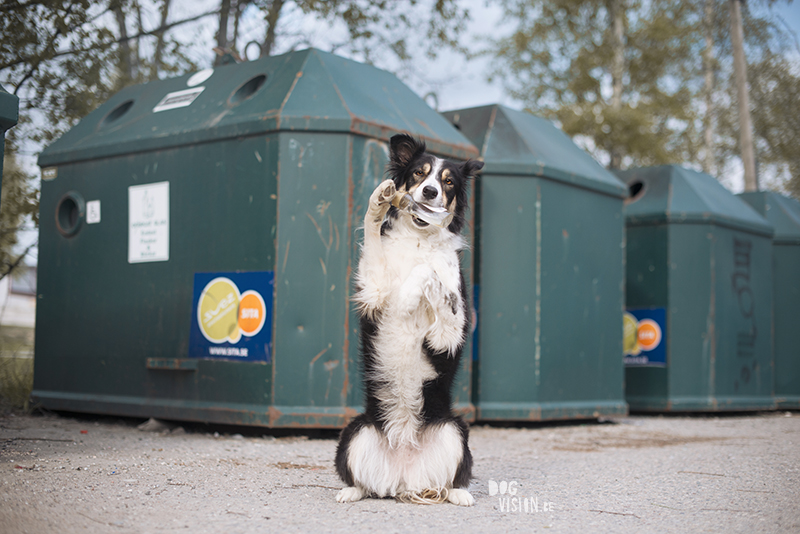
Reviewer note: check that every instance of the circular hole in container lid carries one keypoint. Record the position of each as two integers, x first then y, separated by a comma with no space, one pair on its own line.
117,112
248,89
635,190
69,211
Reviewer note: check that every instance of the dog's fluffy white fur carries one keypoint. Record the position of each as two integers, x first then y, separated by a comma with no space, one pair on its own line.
412,300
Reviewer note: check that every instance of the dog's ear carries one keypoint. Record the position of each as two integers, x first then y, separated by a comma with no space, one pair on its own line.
470,167
404,148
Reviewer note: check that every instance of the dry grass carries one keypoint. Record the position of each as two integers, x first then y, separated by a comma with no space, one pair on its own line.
16,367
16,382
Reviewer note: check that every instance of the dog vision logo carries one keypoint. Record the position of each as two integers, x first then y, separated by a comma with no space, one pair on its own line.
508,501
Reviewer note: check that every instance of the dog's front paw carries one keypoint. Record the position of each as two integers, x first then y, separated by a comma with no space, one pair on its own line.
461,497
420,282
350,494
381,198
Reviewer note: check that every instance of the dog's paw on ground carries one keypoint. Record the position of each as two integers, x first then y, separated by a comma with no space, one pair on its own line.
461,497
350,494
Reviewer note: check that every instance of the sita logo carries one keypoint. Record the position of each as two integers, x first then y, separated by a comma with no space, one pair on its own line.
224,314
638,336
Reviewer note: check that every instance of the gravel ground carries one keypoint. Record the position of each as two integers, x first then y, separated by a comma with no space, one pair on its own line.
635,474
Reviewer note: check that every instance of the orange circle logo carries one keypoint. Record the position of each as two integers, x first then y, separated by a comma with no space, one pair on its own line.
648,334
252,313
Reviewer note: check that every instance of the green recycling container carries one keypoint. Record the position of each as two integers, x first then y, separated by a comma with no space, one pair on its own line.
698,293
784,214
9,114
199,234
549,271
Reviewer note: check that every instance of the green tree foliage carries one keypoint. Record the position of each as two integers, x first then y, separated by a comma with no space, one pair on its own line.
64,58
773,77
558,61
19,203
61,87
775,86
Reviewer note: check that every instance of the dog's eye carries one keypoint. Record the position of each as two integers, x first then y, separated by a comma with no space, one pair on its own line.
418,172
448,181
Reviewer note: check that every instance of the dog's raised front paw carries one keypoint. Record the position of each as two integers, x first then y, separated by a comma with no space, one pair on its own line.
383,194
461,497
349,494
380,201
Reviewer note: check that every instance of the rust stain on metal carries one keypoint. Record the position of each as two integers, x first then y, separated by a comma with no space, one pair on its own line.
336,230
712,326
330,232
468,412
384,132
349,271
276,243
286,98
317,357
274,414
424,125
350,414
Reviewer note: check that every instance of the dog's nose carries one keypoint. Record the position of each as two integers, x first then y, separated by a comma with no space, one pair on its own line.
429,192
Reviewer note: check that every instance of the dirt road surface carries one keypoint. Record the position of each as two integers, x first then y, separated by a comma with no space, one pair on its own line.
67,473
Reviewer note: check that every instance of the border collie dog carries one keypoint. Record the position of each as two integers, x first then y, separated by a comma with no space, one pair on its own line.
411,297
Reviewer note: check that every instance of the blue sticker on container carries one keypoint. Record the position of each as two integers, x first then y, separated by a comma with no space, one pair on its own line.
232,316
644,337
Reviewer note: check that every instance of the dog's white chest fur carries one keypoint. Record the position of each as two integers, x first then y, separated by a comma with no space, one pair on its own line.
413,289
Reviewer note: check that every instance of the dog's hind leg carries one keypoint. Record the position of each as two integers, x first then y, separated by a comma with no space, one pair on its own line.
461,497
363,462
353,492
443,466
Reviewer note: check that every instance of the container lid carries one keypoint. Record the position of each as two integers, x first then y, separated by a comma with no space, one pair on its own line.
308,90
781,211
673,194
518,143
9,109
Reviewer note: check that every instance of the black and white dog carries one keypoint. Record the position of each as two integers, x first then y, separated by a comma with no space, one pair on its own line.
411,296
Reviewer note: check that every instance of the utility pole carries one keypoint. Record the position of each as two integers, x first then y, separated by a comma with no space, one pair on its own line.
708,89
745,125
617,10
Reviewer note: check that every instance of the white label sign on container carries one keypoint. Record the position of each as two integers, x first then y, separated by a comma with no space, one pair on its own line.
93,212
178,99
148,222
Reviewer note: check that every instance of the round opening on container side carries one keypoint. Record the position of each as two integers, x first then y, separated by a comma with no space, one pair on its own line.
635,190
69,211
117,112
248,89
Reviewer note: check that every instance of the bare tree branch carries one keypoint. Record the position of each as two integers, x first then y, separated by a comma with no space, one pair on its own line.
155,31
17,262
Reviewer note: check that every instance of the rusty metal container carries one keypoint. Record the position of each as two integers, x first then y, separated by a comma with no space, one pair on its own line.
784,214
703,258
549,272
198,237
